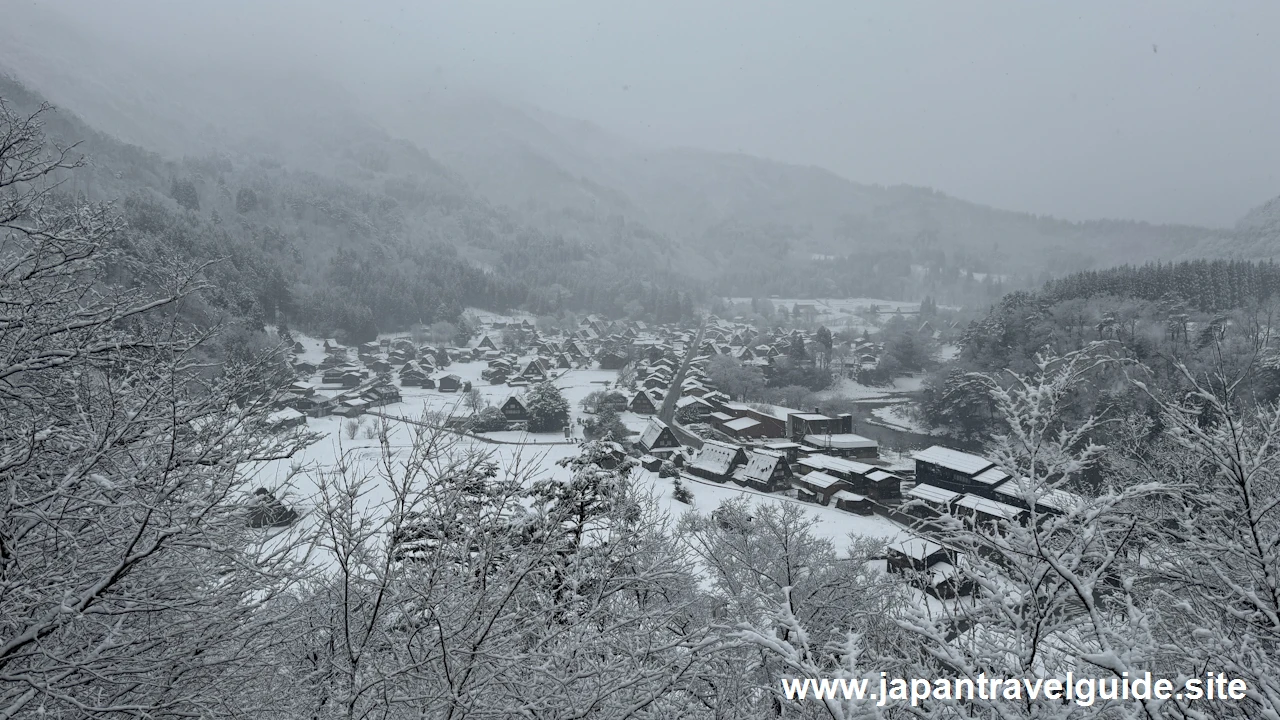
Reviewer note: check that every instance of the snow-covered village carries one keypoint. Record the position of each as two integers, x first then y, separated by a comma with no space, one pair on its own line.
512,392
653,361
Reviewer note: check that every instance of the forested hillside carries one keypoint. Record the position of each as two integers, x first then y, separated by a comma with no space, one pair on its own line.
1217,317
749,225
388,240
1256,236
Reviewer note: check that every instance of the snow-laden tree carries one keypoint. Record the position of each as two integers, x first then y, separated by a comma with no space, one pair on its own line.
130,583
1213,562
462,588
548,410
769,577
1058,591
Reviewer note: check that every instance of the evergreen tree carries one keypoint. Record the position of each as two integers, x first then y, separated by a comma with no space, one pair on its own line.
548,410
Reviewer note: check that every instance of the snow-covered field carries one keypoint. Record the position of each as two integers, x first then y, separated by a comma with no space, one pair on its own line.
852,389
897,417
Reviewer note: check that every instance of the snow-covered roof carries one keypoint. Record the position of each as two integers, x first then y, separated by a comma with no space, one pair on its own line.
932,494
817,478
991,476
716,457
720,417
651,432
953,459
847,496
760,465
878,476
284,415
841,441
942,572
840,465
809,417
989,507
1060,500
915,548
741,424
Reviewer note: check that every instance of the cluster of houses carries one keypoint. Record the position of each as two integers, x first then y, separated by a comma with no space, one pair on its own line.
974,490
787,461
816,458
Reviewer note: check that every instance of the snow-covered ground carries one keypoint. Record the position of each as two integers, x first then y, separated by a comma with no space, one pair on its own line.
852,389
897,416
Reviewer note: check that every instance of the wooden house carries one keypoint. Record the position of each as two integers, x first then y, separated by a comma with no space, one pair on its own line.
916,554
353,407
852,502
285,419
958,471
979,510
790,450
514,409
535,370
882,486
717,461
642,404
698,407
487,343
818,486
657,439
744,428
928,502
381,395
770,425
449,384
323,405
1044,500
766,471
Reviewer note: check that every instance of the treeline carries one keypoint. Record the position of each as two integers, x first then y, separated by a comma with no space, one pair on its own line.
906,274
1206,285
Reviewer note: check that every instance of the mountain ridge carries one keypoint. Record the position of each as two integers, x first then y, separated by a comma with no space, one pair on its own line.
724,220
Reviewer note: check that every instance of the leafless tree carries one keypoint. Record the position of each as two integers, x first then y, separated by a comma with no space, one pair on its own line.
130,583
459,587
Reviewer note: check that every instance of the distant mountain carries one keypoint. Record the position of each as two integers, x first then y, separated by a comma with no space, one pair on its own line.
716,205
727,223
1255,237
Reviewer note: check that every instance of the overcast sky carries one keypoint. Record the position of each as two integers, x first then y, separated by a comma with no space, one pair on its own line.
1165,110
